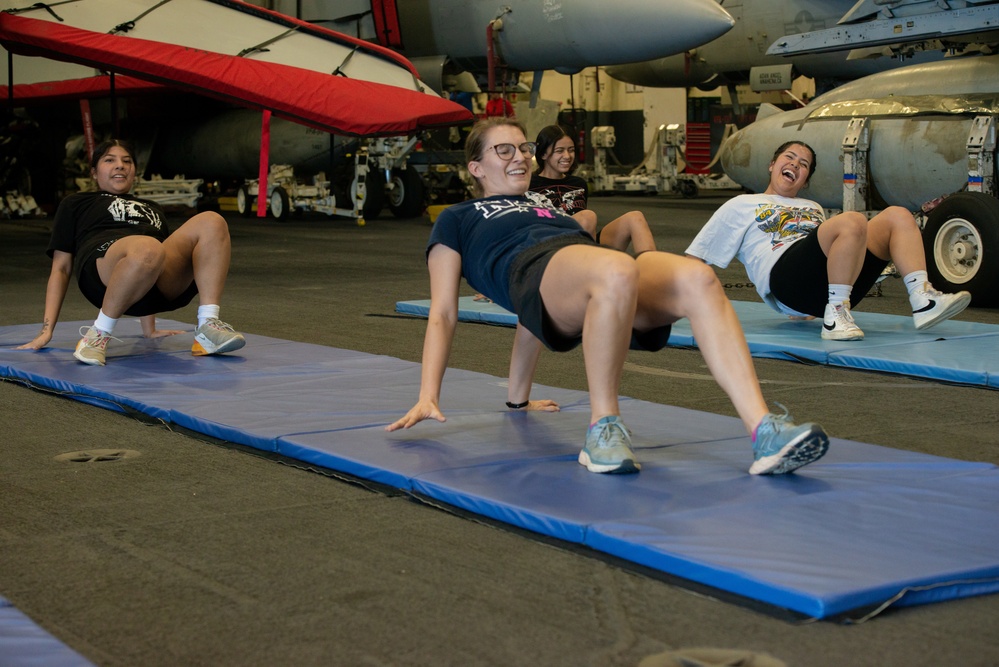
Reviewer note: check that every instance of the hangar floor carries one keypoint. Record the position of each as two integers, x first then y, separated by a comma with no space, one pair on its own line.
197,553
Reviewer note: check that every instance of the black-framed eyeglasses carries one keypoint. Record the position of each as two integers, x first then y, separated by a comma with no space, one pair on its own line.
507,151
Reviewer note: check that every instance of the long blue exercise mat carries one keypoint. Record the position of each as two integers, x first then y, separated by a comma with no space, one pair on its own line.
863,527
953,351
23,642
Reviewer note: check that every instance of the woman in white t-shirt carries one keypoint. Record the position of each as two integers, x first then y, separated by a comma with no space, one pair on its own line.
804,265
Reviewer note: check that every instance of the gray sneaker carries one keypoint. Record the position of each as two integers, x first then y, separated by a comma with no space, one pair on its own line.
216,337
782,446
608,448
92,348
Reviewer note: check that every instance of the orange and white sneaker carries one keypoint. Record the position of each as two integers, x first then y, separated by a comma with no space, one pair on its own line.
216,337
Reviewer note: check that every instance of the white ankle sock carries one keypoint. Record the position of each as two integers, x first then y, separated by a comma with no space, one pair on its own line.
105,323
915,280
839,294
207,312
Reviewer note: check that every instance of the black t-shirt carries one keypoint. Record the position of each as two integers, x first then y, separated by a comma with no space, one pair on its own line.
567,194
88,221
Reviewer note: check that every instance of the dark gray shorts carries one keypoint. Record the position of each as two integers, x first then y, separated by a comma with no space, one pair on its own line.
800,279
525,295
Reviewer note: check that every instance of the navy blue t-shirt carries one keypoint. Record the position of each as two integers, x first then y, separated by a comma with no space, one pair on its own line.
489,234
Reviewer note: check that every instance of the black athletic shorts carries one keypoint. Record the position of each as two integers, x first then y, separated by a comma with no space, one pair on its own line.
153,302
799,279
525,295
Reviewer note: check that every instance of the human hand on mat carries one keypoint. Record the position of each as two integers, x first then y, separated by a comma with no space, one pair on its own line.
160,333
149,329
40,341
544,405
419,412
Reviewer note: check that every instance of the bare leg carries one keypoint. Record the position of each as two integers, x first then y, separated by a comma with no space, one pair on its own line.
592,290
198,250
843,239
587,219
672,287
631,228
894,235
129,269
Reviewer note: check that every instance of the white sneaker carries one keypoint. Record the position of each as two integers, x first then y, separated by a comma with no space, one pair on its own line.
838,323
931,306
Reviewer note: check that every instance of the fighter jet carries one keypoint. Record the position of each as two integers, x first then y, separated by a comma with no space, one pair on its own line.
443,38
742,54
442,34
520,35
901,28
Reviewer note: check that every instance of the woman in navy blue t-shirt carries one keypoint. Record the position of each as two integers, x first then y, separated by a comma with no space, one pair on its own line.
565,290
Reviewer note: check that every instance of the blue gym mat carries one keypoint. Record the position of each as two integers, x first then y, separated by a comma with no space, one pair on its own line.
953,351
864,527
23,642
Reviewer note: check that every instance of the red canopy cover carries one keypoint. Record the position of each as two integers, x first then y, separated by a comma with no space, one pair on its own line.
75,89
329,103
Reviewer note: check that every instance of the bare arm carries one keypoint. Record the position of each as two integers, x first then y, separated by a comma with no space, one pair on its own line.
587,219
149,329
523,362
445,276
55,294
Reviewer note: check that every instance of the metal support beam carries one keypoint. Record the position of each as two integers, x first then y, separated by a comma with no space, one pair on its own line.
856,144
981,155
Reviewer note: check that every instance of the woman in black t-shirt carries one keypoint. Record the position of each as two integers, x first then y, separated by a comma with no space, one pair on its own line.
555,183
129,263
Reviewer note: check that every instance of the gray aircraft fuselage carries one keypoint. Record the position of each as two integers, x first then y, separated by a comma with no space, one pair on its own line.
758,23
563,35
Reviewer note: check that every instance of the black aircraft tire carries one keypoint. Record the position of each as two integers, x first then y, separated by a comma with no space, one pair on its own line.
961,241
688,189
374,195
407,196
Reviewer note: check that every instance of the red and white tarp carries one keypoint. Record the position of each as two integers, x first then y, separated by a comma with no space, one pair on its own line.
258,59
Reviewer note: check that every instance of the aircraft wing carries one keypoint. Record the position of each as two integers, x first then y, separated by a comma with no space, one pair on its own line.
872,24
254,58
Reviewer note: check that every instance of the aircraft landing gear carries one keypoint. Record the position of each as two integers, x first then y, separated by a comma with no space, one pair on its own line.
687,188
244,205
961,239
374,194
279,203
406,193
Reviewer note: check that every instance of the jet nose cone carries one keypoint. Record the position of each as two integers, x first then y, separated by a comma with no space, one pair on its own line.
582,33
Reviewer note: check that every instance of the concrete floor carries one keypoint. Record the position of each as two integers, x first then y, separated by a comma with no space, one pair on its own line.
195,553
